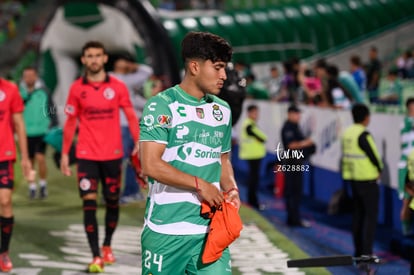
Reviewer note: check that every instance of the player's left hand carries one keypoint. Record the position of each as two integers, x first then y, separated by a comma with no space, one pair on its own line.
136,149
233,198
26,167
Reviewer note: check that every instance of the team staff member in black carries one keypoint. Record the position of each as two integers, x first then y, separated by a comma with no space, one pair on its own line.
362,165
253,150
293,139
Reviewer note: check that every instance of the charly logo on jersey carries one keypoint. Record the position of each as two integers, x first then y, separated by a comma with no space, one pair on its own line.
181,111
151,106
200,112
109,93
217,113
2,95
164,121
182,131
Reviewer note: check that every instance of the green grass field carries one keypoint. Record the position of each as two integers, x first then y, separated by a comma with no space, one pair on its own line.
48,237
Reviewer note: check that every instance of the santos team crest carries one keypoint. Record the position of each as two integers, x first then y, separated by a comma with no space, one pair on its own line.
217,113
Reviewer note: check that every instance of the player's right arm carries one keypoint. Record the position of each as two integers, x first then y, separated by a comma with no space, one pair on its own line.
71,111
155,167
68,134
20,130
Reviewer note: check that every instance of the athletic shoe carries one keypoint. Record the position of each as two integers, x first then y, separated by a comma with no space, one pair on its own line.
96,266
43,192
5,262
107,255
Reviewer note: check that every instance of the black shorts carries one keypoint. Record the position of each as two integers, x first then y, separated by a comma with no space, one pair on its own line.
6,174
90,172
36,145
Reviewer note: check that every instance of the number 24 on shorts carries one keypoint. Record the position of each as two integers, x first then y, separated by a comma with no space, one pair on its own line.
153,259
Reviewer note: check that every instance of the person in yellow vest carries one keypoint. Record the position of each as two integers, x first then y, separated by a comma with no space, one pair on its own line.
361,166
252,149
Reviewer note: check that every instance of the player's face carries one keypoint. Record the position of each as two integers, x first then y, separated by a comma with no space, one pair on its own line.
29,77
410,110
94,60
211,76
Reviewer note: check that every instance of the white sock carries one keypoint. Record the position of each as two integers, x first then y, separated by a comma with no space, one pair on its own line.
42,182
32,185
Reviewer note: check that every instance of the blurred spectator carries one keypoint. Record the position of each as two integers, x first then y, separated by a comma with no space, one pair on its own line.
10,13
337,96
255,88
373,72
233,92
134,76
405,65
274,85
358,73
349,84
320,70
167,5
33,38
310,84
393,92
242,69
289,85
37,120
152,86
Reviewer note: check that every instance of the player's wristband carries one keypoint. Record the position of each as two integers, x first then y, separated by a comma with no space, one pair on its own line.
196,184
232,189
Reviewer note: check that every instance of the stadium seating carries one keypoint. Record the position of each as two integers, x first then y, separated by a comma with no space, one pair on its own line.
263,31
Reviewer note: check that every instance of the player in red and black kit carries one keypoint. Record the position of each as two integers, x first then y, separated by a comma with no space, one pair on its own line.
94,101
11,121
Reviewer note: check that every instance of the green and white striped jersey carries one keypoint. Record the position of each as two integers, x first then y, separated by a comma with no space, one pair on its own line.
196,133
407,140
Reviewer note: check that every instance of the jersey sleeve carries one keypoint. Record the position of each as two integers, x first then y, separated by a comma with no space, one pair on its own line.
17,105
72,103
156,120
227,135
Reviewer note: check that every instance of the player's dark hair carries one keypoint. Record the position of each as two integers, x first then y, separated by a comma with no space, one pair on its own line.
355,60
359,112
30,68
409,101
205,46
93,44
252,108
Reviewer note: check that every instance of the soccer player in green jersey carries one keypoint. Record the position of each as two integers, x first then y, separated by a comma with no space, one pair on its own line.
185,141
407,145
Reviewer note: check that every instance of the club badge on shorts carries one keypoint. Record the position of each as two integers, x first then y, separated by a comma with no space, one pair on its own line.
85,184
